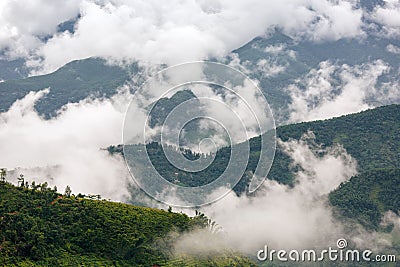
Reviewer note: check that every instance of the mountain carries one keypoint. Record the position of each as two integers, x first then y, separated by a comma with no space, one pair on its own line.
75,81
164,106
39,227
372,137
12,69
293,60
368,195
276,60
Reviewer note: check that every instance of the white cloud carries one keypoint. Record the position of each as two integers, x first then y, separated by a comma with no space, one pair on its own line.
67,148
334,90
155,31
270,68
388,16
393,49
283,217
24,23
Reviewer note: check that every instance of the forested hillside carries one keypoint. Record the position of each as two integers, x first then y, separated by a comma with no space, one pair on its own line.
39,227
73,82
366,196
81,78
372,137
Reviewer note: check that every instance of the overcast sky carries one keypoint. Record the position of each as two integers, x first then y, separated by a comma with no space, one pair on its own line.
174,31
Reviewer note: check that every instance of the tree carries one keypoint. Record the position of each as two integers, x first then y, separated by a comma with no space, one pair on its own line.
43,186
67,191
21,180
3,174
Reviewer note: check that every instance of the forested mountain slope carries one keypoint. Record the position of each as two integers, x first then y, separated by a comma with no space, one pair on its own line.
73,82
293,58
368,195
372,137
39,227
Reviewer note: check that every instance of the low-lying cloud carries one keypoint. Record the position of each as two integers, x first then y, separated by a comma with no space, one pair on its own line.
388,16
66,150
333,90
289,218
284,217
157,32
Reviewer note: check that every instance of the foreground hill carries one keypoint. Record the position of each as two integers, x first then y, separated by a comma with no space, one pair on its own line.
39,227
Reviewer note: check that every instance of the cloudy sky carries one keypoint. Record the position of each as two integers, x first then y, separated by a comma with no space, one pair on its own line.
173,32
66,149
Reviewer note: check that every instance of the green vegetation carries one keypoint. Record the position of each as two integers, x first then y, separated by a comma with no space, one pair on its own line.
164,106
40,227
366,196
73,82
372,137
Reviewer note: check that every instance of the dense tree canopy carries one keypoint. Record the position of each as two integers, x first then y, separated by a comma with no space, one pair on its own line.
39,226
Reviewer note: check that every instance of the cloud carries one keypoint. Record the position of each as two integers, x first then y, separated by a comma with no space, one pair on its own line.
379,241
290,218
393,49
388,15
279,216
25,24
334,90
158,32
270,69
66,148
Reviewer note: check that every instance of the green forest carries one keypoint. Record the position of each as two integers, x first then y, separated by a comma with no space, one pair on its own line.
44,228
368,195
40,227
372,137
77,80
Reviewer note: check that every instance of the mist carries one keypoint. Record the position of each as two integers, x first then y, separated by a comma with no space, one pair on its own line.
289,218
157,32
334,90
66,149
